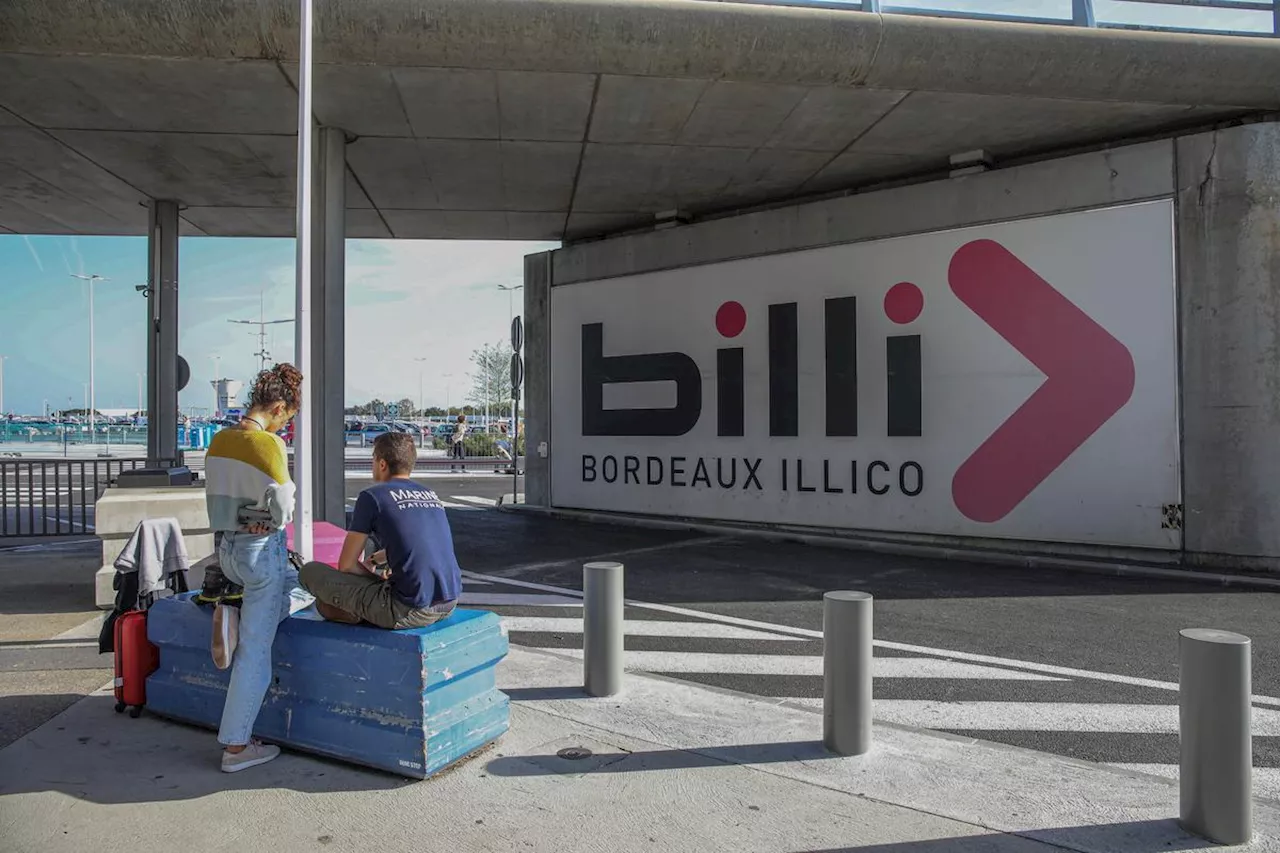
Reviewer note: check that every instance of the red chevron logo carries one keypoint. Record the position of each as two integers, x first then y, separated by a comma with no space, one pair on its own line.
1089,376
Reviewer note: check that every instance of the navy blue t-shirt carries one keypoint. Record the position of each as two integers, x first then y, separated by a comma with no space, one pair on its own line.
410,523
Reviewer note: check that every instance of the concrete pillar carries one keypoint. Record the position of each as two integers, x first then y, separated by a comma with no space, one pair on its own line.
537,382
162,332
327,369
1228,183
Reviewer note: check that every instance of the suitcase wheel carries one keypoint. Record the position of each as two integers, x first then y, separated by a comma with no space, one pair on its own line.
135,711
120,706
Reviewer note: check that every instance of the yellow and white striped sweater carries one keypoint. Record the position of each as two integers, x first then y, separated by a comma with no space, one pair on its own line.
247,468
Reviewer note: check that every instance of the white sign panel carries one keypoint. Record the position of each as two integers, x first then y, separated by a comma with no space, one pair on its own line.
1015,380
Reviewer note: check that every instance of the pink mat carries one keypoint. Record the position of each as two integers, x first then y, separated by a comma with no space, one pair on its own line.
326,541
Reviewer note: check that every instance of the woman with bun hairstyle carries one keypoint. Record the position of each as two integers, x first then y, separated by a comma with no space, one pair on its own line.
247,467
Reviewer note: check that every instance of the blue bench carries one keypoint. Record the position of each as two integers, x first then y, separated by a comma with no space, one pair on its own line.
410,702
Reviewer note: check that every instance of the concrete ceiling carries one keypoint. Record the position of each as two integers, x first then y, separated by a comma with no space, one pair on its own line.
554,119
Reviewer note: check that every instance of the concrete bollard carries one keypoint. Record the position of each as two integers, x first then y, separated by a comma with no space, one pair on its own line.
1214,710
846,672
602,628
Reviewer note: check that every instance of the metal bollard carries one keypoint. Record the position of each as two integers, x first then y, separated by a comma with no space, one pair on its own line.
602,628
1214,713
846,672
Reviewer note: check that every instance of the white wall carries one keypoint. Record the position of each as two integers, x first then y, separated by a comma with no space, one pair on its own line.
1087,456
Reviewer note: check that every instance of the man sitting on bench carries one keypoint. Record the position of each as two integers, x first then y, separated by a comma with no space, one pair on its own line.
415,579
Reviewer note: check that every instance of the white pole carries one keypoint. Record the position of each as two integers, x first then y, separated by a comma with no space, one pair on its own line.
2,361
302,445
93,435
139,414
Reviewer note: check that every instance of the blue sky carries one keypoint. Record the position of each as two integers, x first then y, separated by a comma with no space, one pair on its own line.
405,300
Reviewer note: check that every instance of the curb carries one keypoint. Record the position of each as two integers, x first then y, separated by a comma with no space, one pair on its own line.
1001,559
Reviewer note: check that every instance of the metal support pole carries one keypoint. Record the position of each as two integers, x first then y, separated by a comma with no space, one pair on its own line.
515,451
1082,13
602,628
846,672
302,446
327,367
1214,723
162,333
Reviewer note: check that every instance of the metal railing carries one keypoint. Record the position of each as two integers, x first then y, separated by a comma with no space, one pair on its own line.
1229,17
54,497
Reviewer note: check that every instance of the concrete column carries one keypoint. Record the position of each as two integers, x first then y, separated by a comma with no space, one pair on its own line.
1214,708
537,382
162,332
327,369
1228,183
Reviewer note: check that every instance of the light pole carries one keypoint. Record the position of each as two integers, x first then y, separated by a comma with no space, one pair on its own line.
3,359
511,316
91,404
422,406
139,412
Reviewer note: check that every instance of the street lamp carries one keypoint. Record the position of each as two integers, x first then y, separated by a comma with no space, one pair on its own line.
91,405
421,403
3,359
510,289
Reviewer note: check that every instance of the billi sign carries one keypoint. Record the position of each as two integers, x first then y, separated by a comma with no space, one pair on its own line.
1015,380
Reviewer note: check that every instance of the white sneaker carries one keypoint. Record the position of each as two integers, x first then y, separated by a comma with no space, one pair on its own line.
251,756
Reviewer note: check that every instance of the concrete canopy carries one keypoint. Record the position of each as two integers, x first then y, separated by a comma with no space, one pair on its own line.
555,119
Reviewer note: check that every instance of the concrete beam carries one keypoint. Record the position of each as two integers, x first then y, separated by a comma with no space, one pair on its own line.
676,38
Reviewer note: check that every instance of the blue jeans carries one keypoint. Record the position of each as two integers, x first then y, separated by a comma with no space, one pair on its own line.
261,565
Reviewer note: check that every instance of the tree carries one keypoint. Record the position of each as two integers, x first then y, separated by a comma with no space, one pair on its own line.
408,409
491,381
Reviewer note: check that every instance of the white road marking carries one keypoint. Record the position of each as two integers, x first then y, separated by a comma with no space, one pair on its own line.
731,664
643,628
1041,716
471,499
1030,666
60,521
510,599
464,507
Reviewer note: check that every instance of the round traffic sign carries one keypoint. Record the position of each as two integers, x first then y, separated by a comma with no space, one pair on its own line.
517,334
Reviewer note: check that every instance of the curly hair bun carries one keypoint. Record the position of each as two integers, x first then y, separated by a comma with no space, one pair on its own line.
279,384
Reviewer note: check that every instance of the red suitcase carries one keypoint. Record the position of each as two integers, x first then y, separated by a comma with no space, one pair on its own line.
136,658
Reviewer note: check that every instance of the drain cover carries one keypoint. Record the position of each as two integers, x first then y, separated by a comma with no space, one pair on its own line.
574,753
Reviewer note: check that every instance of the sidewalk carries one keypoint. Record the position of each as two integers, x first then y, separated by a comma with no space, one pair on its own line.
673,767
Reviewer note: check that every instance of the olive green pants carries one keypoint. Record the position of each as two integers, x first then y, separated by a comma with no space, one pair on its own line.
367,598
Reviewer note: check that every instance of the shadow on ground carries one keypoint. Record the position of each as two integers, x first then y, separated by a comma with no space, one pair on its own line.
1147,836
91,753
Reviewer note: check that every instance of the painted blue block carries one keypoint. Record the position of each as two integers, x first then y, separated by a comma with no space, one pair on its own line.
411,702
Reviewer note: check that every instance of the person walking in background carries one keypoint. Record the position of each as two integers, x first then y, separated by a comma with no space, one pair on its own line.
458,450
247,466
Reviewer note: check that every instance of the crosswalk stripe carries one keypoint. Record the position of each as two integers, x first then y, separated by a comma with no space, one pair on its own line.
1116,718
471,499
515,599
456,505
731,664
643,628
